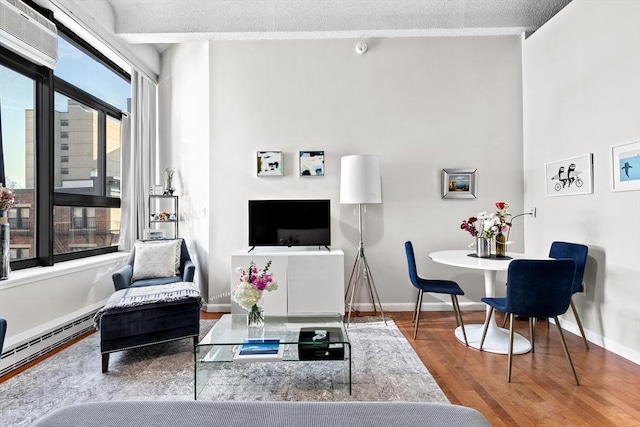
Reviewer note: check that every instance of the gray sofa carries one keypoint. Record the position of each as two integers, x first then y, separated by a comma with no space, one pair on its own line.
262,414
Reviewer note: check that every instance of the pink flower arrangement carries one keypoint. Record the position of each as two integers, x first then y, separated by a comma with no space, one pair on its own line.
488,225
253,282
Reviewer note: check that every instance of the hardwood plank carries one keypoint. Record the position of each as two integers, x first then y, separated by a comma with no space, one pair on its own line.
542,391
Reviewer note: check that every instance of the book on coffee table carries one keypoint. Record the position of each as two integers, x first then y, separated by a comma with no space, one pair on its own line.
259,350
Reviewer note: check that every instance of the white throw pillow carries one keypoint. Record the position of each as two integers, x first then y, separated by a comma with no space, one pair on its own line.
155,259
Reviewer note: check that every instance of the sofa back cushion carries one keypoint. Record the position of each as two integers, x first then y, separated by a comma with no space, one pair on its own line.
157,258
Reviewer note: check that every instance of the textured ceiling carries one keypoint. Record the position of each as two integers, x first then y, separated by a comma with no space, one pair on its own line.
160,22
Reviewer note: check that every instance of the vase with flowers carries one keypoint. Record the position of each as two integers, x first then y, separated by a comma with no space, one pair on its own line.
487,227
248,293
7,201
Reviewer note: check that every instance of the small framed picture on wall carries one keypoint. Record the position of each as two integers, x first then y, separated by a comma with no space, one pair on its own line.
570,177
459,183
625,166
311,163
269,163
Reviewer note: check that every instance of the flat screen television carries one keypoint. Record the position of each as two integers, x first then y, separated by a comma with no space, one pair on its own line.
289,223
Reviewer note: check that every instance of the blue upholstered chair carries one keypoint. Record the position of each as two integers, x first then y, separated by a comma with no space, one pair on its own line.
578,253
122,278
3,332
535,288
433,286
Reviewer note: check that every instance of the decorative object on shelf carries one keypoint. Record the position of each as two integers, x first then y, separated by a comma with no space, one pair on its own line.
158,190
269,163
570,177
248,292
311,163
459,184
360,184
625,166
7,200
487,227
168,184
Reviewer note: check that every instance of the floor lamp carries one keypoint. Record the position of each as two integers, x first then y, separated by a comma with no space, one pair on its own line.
360,184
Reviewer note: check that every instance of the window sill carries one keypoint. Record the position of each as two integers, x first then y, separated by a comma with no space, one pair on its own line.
35,274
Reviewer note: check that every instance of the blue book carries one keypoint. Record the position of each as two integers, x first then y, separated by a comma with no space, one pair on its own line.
259,350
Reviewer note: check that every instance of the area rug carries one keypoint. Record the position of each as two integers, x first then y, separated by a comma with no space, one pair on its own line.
385,367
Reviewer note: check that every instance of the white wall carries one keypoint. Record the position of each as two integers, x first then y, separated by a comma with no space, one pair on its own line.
582,95
37,300
421,104
183,135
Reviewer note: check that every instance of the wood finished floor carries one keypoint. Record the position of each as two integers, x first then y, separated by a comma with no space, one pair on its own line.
541,392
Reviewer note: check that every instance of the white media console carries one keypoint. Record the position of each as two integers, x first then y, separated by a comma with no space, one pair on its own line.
309,281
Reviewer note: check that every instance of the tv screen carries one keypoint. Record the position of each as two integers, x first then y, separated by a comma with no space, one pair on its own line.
289,222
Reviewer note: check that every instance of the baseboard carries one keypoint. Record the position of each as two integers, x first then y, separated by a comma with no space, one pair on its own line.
27,351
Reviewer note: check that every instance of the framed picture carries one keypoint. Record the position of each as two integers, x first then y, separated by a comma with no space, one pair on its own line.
459,183
570,177
158,190
625,166
269,163
311,163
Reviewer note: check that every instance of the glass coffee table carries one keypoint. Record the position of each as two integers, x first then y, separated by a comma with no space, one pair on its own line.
299,338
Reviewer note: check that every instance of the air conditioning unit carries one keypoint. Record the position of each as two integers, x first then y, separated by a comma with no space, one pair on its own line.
28,33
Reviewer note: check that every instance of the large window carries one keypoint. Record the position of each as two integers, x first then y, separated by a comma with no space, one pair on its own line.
61,150
17,122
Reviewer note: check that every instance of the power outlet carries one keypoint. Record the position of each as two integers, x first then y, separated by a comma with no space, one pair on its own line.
533,212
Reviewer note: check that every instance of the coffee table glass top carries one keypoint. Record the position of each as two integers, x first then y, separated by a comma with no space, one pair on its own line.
231,329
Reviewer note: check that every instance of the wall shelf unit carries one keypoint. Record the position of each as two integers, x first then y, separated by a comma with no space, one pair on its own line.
163,214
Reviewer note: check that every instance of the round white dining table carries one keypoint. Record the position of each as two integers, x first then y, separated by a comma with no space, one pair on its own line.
497,339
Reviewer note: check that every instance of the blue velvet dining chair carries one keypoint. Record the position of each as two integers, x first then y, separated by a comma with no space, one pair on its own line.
535,288
434,286
578,253
3,331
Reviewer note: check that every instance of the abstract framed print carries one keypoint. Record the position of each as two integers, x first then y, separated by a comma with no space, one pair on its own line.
269,163
311,163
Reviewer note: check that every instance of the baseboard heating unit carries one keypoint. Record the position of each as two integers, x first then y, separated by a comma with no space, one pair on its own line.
14,358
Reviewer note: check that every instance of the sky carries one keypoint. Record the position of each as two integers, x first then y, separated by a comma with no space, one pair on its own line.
17,95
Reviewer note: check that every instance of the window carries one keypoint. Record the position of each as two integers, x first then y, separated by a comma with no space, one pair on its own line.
18,125
64,124
89,98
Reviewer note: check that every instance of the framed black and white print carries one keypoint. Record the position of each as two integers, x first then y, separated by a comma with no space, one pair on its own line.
459,183
311,163
625,166
269,163
570,177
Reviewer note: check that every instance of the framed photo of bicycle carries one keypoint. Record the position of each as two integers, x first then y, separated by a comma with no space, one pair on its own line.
625,166
570,177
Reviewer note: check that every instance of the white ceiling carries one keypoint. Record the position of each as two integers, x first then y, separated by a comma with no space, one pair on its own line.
162,22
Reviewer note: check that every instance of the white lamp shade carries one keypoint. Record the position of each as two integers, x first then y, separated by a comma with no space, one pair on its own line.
360,179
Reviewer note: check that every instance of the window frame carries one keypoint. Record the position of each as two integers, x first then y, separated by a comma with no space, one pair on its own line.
45,198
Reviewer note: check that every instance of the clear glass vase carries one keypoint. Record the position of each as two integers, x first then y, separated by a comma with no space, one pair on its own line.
255,317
